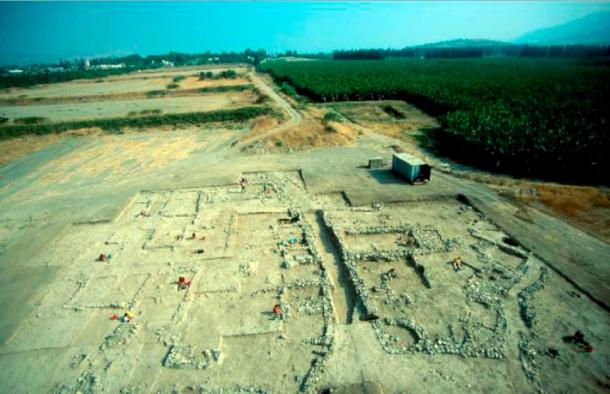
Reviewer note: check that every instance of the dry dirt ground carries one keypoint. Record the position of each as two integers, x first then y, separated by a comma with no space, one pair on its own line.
358,260
115,108
133,82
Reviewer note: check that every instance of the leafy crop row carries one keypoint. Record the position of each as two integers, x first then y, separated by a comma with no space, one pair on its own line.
239,114
528,116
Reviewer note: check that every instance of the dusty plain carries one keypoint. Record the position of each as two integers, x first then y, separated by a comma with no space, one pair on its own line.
359,261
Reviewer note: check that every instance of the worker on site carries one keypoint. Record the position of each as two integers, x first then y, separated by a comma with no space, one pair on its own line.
183,283
196,237
457,264
579,339
126,318
277,311
243,182
105,257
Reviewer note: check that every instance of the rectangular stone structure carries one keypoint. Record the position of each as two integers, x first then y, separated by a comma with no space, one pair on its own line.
410,167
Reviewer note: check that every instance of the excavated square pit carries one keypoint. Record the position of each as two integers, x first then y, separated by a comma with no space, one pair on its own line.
400,258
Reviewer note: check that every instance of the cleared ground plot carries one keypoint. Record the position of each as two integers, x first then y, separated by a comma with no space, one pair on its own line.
388,117
88,87
110,109
134,82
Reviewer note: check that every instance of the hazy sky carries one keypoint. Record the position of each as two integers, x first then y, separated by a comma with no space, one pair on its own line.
47,31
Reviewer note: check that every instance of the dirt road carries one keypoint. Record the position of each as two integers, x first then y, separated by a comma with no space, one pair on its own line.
294,116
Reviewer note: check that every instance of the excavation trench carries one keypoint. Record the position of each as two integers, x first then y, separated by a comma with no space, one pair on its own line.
344,295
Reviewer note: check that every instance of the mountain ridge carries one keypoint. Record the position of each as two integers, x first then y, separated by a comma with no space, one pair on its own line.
592,29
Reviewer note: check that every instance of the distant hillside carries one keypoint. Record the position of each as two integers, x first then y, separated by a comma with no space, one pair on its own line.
592,29
464,43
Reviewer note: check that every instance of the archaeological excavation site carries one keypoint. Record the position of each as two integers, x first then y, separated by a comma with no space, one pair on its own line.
282,247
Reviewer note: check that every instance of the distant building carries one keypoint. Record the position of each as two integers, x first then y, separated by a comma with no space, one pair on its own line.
15,71
167,63
109,66
86,64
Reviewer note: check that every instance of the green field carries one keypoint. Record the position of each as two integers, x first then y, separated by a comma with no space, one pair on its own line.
534,117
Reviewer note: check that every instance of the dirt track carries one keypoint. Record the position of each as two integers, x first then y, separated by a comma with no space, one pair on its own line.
294,117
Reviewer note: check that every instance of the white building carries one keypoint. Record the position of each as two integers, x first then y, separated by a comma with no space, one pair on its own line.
110,66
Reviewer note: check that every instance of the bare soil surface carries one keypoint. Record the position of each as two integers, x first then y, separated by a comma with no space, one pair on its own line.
388,117
118,108
17,148
358,261
133,82
87,87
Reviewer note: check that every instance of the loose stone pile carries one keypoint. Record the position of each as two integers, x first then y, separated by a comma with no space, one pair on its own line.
184,356
87,383
528,355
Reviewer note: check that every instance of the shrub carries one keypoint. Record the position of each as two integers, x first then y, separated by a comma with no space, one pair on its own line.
156,93
150,112
230,74
230,88
173,86
31,120
332,116
288,89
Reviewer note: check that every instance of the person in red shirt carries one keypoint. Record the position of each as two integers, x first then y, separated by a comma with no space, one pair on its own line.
277,311
183,283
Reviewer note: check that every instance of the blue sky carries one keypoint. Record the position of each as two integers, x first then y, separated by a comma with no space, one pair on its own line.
47,31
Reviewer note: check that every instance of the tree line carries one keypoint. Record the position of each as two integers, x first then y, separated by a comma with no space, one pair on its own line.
474,51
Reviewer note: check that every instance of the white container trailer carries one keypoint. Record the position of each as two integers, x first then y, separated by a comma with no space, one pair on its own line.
413,169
